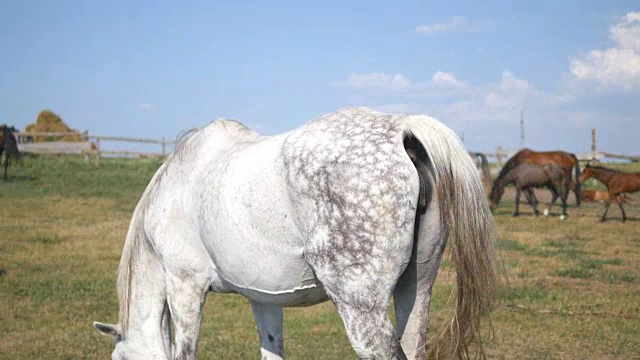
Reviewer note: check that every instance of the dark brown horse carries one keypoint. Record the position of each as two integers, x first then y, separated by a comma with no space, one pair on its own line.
525,177
567,161
617,182
8,146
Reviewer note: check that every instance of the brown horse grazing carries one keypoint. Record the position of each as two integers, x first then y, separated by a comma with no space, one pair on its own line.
616,181
527,176
8,146
563,159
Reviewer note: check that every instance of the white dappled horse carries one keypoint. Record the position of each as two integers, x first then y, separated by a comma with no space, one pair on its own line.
355,206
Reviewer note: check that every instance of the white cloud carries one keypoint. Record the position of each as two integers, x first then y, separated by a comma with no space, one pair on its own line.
147,107
376,81
396,82
615,67
580,119
446,97
446,79
456,24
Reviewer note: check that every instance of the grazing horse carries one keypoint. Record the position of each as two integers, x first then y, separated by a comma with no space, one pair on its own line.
617,183
355,206
565,160
525,177
8,146
482,164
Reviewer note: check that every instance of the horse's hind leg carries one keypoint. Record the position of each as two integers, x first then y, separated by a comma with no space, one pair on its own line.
269,321
360,285
624,215
412,294
531,199
167,338
564,196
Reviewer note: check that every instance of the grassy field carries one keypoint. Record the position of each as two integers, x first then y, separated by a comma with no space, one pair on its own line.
574,286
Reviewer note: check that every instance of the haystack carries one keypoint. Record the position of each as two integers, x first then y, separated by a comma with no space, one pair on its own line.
48,121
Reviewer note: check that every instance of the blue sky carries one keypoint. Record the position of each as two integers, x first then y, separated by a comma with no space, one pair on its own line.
152,69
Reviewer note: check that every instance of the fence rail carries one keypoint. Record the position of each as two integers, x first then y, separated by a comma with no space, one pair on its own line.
89,145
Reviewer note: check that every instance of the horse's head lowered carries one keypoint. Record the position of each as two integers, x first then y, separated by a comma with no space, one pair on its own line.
495,195
587,172
133,348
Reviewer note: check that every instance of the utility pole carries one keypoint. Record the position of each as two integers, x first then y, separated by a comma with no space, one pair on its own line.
521,129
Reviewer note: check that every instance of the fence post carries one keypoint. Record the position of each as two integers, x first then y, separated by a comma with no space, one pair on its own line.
98,151
499,155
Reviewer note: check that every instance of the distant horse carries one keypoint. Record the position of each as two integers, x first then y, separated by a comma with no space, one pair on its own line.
355,206
565,160
482,165
525,177
8,146
617,182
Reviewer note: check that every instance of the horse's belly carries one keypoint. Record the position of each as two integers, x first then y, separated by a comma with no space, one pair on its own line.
251,234
255,265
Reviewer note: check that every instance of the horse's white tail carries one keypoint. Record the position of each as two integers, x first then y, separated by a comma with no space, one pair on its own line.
130,252
469,230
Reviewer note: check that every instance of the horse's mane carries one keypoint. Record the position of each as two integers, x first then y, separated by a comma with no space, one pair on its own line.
598,167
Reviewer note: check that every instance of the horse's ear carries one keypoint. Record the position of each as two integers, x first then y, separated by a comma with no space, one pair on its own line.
107,329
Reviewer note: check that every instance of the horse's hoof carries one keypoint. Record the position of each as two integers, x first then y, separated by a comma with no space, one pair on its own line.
546,212
563,217
516,214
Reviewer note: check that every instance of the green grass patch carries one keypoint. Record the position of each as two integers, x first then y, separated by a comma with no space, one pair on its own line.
575,273
511,245
589,263
531,292
616,278
45,239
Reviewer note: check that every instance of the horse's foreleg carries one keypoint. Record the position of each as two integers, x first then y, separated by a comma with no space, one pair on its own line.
186,293
517,212
269,321
606,208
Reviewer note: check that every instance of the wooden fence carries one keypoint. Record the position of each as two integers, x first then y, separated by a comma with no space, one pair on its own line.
89,145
